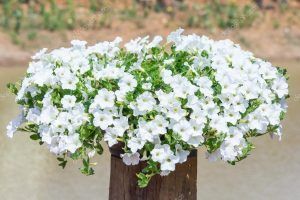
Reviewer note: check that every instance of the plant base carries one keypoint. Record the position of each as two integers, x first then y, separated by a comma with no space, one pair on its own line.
178,185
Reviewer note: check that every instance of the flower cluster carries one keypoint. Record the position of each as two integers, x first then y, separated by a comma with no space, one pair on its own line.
159,101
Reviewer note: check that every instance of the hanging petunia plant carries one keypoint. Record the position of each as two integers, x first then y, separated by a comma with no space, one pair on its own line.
159,100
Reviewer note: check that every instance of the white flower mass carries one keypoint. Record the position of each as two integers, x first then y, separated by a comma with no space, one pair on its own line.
160,101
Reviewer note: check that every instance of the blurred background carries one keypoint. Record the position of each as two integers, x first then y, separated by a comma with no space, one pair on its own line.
269,28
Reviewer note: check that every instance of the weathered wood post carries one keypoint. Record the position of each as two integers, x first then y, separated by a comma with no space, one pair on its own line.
179,185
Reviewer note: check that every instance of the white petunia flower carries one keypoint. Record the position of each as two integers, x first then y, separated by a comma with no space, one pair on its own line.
155,42
280,86
175,36
33,115
111,136
105,99
145,102
258,121
69,83
127,83
184,129
102,119
48,114
121,95
135,144
176,112
267,71
73,142
63,72
39,55
181,154
68,101
78,44
13,126
205,85
131,159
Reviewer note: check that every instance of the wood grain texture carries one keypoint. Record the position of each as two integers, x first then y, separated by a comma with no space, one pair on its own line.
179,185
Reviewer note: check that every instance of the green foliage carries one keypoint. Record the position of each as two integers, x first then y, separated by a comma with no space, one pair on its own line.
276,24
35,137
213,142
31,35
147,173
52,16
173,138
245,153
59,18
92,137
7,9
129,13
105,20
215,13
253,104
49,16
12,88
12,15
86,169
71,17
31,128
282,71
143,180
15,38
17,14
95,5
62,162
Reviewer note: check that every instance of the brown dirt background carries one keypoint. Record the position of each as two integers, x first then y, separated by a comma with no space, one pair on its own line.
262,38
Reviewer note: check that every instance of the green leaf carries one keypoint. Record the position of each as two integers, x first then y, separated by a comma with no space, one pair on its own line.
282,115
86,169
212,143
143,180
147,173
35,137
168,138
253,105
99,149
204,54
149,146
86,131
76,155
63,164
12,88
62,161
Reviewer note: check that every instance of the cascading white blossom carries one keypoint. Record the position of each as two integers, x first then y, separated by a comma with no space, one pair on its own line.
160,103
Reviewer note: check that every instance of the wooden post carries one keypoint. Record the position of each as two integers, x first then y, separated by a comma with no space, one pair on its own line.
179,185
